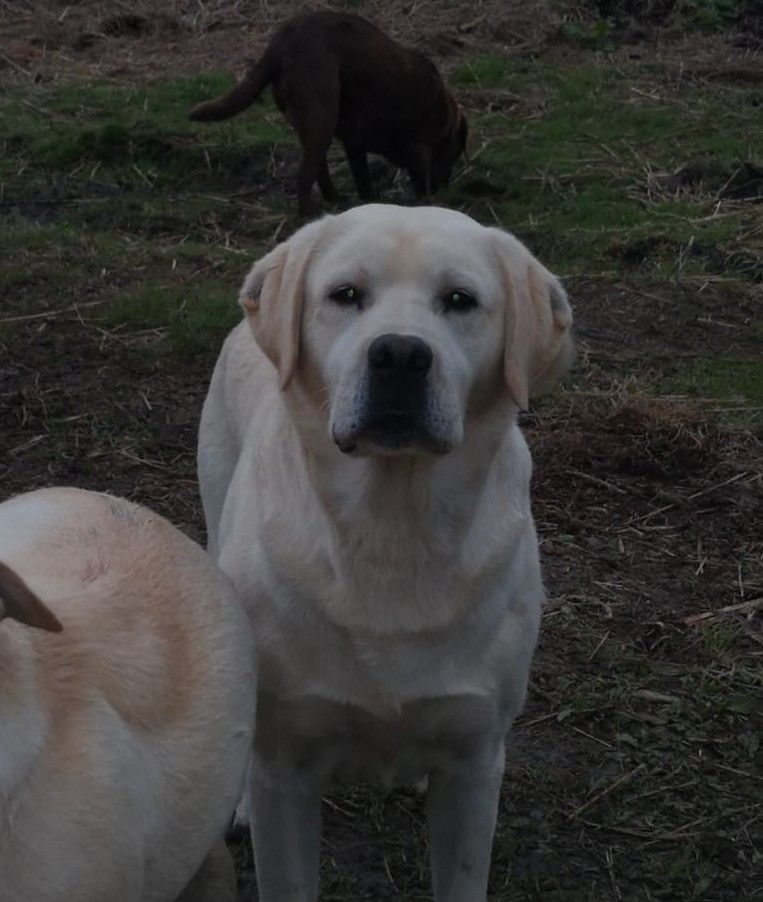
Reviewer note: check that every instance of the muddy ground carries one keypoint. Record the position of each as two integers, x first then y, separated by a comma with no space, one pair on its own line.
635,770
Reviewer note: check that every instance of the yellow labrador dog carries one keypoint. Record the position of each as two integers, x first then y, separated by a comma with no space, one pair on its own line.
126,705
366,487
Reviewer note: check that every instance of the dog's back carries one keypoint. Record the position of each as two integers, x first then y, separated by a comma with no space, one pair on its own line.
124,736
374,71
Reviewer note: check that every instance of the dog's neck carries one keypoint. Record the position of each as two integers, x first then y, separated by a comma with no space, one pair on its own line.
419,484
409,540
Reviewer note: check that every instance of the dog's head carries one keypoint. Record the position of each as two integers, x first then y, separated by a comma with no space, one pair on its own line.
399,323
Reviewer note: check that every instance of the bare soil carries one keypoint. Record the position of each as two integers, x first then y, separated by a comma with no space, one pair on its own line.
649,505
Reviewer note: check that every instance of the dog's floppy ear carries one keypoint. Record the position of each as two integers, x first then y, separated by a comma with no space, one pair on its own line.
273,295
19,602
539,348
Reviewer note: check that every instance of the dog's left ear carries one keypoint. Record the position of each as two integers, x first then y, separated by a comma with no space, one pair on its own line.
539,348
19,602
273,297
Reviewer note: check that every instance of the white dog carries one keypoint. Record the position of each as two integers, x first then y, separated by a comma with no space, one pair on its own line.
126,718
366,487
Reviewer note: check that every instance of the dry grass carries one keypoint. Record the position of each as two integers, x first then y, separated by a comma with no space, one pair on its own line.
634,772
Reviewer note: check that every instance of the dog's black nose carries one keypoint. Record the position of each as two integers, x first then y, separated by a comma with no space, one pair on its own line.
399,355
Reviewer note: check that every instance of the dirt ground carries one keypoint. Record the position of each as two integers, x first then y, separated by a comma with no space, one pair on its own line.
635,770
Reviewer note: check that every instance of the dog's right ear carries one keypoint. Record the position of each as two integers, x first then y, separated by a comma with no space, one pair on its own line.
539,348
273,295
19,602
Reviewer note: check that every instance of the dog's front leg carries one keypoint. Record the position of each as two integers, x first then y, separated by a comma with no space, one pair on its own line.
285,812
462,804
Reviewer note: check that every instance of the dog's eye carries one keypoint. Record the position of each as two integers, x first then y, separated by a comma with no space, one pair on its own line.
459,301
347,295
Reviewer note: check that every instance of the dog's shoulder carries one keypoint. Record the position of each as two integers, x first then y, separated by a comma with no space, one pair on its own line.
243,382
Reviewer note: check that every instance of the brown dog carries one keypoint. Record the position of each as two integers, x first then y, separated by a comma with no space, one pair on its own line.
338,75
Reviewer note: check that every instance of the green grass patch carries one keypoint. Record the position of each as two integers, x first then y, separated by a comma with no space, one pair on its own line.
596,35
577,178
724,378
572,178
736,384
195,318
133,134
115,178
488,70
186,289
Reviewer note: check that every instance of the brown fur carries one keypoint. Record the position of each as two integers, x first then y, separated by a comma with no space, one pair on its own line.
337,75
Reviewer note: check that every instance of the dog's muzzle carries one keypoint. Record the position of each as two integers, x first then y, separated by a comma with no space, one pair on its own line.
395,414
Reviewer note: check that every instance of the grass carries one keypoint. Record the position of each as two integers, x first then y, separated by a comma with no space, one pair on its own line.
725,378
687,15
128,135
192,321
101,187
583,178
573,174
634,771
737,384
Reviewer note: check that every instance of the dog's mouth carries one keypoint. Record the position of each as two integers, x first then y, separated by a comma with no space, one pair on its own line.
394,430
391,432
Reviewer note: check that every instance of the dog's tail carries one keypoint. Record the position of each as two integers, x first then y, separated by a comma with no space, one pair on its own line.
242,95
19,602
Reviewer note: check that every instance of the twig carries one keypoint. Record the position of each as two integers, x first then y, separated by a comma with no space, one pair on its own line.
389,873
595,480
650,696
15,64
670,836
47,313
754,604
601,642
740,773
29,444
706,491
611,872
142,460
719,485
607,745
543,718
626,778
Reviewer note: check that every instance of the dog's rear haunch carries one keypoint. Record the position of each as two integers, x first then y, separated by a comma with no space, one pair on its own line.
126,711
337,75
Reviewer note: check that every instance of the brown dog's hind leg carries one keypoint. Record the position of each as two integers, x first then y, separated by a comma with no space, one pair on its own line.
315,134
311,94
420,170
358,161
328,190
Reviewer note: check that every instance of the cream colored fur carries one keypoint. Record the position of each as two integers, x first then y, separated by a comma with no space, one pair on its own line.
395,597
124,736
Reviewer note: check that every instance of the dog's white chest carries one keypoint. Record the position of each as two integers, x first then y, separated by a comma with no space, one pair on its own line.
346,742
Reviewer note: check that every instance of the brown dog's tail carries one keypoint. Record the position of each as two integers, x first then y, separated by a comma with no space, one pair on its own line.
238,98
